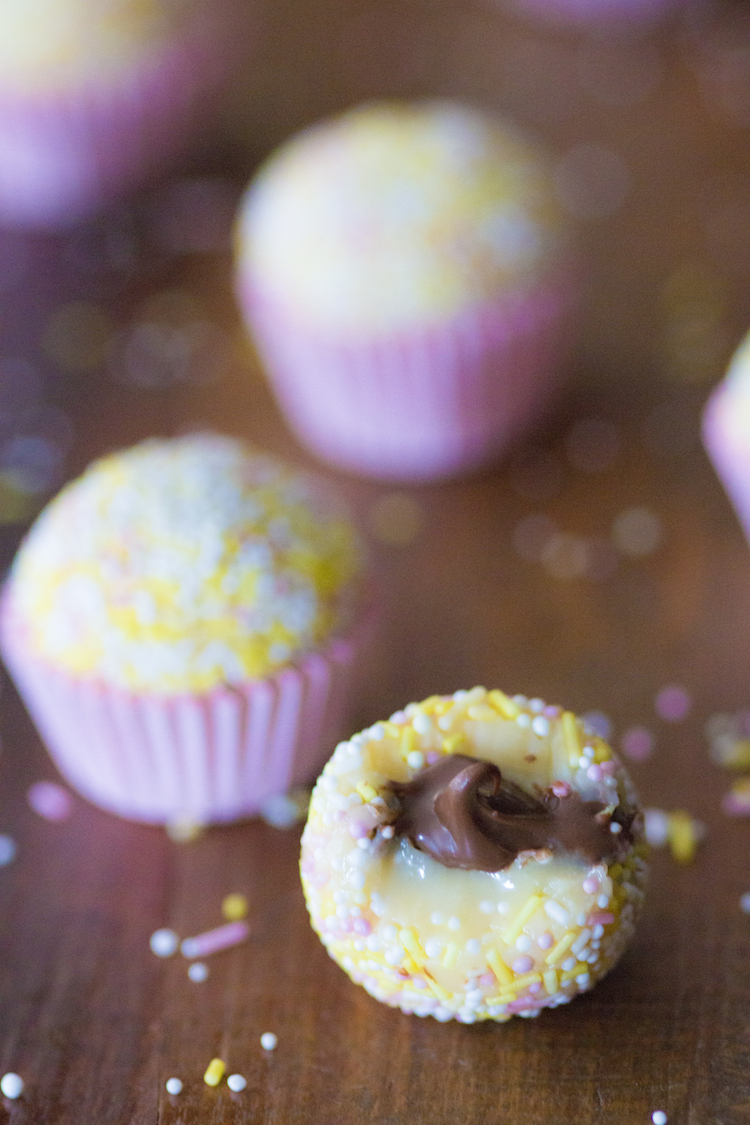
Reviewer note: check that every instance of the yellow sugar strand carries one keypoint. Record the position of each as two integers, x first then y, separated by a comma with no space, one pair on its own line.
499,968
683,841
502,704
530,907
409,741
214,1072
451,744
410,942
550,981
522,982
558,951
450,956
366,791
570,736
578,969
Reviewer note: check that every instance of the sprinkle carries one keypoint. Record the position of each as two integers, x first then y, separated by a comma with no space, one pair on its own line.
164,942
11,1085
198,972
603,902
234,907
602,919
656,827
8,850
673,703
184,829
366,791
473,946
570,735
615,828
513,929
415,760
637,532
450,956
50,801
410,942
745,902
507,708
594,773
450,745
454,923
659,1117
562,947
523,720
268,1041
174,1086
214,1072
550,981
556,912
590,886
599,723
545,940
637,744
422,723
522,982
540,726
212,940
236,1083
283,810
409,739
737,801
684,835
522,964
498,966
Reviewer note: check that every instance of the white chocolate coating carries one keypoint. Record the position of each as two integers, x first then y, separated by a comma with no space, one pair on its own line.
452,943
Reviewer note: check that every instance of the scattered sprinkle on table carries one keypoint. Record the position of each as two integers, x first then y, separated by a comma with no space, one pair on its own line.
198,972
659,1117
284,810
213,940
50,801
164,942
174,1086
673,703
745,902
214,1072
234,907
268,1041
236,1083
183,830
637,532
11,1085
7,850
637,744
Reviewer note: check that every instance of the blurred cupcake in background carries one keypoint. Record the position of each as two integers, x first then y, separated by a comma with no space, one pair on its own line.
407,280
181,622
726,432
97,95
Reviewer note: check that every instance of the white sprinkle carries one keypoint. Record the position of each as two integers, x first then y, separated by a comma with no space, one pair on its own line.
433,947
588,752
487,907
536,705
615,828
236,1082
388,832
523,720
745,902
473,946
377,732
437,918
174,1086
363,843
374,944
580,943
580,919
659,1117
583,762
520,700
523,943
603,902
557,913
454,923
568,964
583,980
390,933
7,850
540,726
598,931
422,723
393,957
415,759
198,972
164,942
11,1085
356,879
656,826
268,1041
444,722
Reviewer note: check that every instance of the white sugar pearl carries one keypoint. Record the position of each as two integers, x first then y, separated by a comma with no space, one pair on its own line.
268,1041
7,850
11,1085
174,1086
236,1082
164,942
659,1117
415,760
198,972
540,726
454,923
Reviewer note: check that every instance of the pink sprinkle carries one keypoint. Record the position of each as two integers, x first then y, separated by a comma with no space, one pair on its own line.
552,711
604,919
673,703
561,789
213,940
608,768
522,964
637,743
535,986
358,829
544,941
433,756
487,980
361,926
594,773
590,886
50,801
735,804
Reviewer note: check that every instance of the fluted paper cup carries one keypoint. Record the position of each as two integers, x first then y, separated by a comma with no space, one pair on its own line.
209,757
422,404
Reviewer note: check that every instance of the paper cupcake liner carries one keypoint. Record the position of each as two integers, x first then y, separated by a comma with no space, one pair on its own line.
729,451
424,404
63,154
210,757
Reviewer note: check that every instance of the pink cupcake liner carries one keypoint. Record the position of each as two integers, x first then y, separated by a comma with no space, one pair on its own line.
729,451
212,757
64,154
424,404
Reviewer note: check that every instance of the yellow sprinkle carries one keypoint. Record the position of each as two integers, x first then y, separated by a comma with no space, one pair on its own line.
502,998
683,840
366,791
615,872
481,712
410,942
579,968
506,707
558,951
443,706
602,753
450,956
498,966
409,741
550,981
234,907
437,989
530,907
412,967
452,743
214,1072
570,736
522,982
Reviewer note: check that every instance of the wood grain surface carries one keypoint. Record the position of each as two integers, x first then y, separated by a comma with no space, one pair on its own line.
89,1017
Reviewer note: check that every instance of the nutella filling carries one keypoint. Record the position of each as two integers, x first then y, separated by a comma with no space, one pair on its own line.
463,813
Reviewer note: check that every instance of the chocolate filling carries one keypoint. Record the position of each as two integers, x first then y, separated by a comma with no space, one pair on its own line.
463,813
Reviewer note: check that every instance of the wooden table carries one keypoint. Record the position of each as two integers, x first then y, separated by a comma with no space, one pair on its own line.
90,1018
